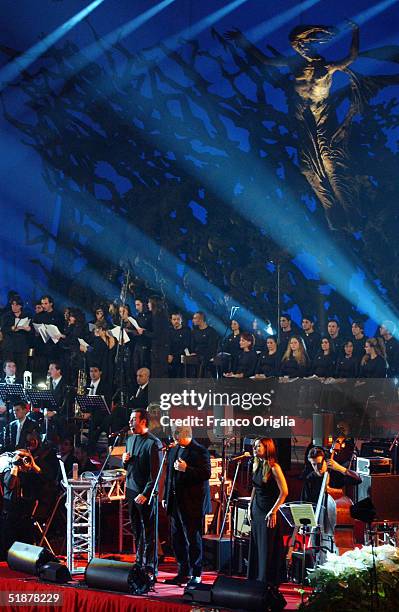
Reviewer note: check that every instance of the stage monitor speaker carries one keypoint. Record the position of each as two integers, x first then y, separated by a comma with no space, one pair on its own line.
28,558
216,553
384,492
201,594
248,595
117,576
54,572
323,428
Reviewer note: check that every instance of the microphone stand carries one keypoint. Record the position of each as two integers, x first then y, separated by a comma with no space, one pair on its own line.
394,450
154,498
226,513
121,348
97,481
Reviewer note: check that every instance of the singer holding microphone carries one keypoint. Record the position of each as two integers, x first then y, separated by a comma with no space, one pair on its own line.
269,489
142,460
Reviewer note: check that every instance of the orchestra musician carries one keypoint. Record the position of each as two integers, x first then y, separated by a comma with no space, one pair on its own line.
338,477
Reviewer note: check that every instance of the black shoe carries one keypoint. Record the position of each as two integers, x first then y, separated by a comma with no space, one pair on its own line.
193,582
177,580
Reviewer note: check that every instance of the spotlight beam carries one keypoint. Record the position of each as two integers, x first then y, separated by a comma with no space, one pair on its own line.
14,68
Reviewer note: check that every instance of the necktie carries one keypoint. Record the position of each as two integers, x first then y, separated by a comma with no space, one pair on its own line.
138,391
92,390
18,433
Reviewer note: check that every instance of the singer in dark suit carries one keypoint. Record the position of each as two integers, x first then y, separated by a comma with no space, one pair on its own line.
187,500
142,460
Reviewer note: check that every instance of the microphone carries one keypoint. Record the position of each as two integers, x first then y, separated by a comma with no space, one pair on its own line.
120,432
240,457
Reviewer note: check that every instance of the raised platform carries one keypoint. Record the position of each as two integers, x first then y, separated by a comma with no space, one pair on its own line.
75,596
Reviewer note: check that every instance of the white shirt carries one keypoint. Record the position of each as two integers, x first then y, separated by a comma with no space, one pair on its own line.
93,387
19,428
55,382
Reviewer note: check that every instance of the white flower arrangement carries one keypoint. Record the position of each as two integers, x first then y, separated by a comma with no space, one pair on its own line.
345,581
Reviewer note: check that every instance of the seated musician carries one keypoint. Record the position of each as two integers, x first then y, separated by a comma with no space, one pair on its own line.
338,478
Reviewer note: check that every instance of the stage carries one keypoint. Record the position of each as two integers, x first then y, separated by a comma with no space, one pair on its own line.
76,596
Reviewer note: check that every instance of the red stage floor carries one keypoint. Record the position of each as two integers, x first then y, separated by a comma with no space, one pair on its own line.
76,597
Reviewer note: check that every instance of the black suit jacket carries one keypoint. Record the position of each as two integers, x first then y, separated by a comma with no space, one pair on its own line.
189,489
104,389
10,434
139,401
143,465
59,394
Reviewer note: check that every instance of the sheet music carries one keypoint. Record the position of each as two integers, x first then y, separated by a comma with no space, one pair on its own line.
134,322
116,332
92,327
23,322
53,332
83,343
40,329
303,511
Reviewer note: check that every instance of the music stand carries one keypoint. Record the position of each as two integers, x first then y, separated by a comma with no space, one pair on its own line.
300,515
92,403
41,399
10,394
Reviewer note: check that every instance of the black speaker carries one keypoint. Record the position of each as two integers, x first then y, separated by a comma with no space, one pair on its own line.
201,594
216,553
117,576
28,558
54,572
248,595
384,492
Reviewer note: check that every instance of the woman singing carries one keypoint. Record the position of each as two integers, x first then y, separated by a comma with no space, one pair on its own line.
266,552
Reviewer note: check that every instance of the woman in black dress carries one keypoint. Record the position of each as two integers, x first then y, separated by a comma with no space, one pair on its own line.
266,553
374,364
247,358
295,362
323,364
269,361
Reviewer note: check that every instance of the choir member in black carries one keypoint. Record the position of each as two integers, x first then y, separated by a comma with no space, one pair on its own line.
204,341
49,351
16,335
387,329
187,500
247,359
295,362
269,361
323,364
159,336
286,331
373,364
347,365
141,460
71,356
14,434
269,489
142,343
311,338
260,335
358,340
179,341
334,333
231,346
10,377
102,350
100,317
